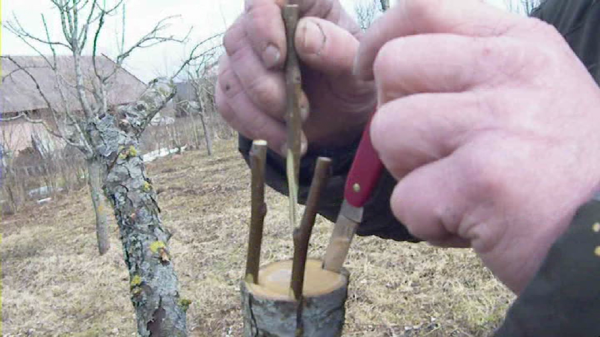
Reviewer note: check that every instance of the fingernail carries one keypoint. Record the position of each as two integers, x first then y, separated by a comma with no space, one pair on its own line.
271,56
313,38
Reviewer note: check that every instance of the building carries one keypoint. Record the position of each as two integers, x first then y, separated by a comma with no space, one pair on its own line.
19,95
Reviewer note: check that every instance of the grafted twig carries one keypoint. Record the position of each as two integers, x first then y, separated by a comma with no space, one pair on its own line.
258,157
302,233
294,122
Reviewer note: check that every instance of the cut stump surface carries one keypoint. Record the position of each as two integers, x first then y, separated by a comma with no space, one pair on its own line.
270,310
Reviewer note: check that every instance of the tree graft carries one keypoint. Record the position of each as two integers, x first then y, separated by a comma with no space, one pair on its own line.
269,311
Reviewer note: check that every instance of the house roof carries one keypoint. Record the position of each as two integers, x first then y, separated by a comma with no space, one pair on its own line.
18,91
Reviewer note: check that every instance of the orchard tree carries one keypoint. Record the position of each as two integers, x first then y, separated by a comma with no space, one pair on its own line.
109,141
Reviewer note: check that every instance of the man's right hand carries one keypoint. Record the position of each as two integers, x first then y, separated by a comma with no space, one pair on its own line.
250,92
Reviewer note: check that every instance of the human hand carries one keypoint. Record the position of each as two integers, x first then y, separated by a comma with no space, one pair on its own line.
489,122
251,95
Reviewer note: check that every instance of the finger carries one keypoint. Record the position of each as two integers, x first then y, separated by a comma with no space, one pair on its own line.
429,202
266,88
239,111
442,63
266,29
325,47
423,128
442,202
413,17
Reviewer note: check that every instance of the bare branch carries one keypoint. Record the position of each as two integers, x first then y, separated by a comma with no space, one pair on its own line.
24,116
151,39
17,29
9,75
95,45
122,45
193,57
54,65
83,35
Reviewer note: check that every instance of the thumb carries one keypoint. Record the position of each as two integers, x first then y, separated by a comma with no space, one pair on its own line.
325,47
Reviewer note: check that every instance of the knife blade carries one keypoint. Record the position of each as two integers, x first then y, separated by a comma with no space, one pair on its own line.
363,177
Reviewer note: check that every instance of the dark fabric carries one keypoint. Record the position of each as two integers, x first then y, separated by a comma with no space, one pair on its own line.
563,299
578,21
378,219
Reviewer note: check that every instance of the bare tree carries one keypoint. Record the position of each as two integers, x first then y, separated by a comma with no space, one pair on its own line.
109,141
200,79
367,11
522,6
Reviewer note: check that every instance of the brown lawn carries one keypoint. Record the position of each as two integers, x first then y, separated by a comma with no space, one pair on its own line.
55,284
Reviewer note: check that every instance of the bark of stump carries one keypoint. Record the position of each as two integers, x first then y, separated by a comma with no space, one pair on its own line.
270,311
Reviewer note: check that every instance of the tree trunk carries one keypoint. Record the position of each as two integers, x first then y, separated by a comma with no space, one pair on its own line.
205,127
153,282
385,5
96,173
207,137
270,311
195,130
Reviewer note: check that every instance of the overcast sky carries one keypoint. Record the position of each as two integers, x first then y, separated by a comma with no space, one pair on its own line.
207,17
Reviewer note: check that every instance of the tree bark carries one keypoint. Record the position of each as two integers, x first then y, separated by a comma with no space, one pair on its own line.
153,282
96,174
268,314
207,136
205,127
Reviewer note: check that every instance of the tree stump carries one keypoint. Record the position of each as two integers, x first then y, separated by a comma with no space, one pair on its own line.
270,309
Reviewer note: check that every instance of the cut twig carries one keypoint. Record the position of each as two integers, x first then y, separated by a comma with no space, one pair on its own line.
302,233
293,119
258,157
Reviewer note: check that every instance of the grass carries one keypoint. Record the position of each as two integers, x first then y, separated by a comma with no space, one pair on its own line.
55,284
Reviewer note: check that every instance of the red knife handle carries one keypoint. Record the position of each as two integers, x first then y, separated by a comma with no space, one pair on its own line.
364,173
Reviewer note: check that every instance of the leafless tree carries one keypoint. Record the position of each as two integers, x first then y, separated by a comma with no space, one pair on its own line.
109,141
367,11
199,77
522,6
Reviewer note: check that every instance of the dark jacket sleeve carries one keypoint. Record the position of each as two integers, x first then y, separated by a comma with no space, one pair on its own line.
378,219
578,21
563,299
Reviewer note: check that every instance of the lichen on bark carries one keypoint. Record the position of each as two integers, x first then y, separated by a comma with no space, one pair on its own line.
154,284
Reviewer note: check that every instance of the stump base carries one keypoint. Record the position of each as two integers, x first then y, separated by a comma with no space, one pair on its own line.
269,308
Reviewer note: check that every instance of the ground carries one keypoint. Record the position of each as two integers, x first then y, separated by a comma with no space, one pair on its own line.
55,284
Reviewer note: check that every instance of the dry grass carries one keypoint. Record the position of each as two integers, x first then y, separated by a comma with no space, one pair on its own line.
56,285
